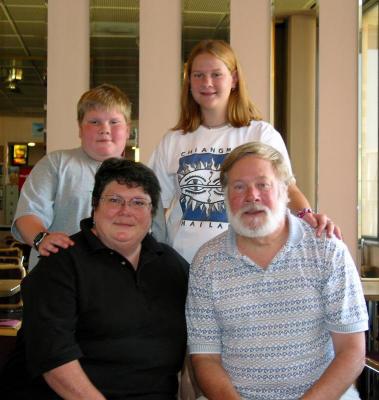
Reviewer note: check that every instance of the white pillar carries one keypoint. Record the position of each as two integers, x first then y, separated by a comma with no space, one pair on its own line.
250,37
338,115
160,66
68,61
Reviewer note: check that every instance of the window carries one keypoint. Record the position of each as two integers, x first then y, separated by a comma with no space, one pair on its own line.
368,137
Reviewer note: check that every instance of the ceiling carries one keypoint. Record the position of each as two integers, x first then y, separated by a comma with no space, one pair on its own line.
114,42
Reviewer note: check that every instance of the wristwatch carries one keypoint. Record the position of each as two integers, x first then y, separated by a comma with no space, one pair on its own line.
38,239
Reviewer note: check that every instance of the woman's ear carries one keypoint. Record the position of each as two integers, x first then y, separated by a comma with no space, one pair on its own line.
234,79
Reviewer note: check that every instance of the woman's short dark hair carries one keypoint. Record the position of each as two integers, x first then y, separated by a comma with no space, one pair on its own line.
129,173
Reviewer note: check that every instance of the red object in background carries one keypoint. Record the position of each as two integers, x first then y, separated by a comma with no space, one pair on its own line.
23,174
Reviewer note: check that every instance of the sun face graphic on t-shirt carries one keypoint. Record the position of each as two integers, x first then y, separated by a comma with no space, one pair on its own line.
202,197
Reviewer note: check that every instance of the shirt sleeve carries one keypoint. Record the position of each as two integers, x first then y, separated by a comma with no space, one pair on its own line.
273,138
158,227
204,334
345,306
159,163
50,315
38,194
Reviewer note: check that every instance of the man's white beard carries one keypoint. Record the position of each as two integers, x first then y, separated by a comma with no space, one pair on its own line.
273,218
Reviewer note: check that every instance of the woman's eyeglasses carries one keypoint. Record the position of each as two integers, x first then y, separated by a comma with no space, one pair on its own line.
116,202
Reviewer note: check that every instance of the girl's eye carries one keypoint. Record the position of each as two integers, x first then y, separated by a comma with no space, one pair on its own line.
197,75
217,74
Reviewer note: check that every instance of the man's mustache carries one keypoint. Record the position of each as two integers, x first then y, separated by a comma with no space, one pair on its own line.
253,207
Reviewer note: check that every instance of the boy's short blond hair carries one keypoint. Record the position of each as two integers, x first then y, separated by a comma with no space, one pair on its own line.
107,97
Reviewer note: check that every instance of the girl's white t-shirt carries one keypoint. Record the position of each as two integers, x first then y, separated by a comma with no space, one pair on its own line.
188,169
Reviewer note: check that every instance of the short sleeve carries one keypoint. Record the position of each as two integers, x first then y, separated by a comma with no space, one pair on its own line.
158,227
344,302
49,319
273,138
159,162
38,194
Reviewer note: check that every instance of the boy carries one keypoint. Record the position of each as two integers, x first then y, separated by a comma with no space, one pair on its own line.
56,196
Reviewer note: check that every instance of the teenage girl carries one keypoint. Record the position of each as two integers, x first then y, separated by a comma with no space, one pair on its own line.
216,116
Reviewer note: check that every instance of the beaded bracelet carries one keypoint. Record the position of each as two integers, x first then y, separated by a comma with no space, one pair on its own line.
304,211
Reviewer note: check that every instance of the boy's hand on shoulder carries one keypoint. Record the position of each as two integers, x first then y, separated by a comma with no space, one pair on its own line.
54,241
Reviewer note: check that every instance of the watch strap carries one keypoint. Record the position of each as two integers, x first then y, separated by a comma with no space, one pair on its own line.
38,239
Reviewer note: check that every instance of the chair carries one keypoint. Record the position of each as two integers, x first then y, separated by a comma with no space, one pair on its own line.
368,382
11,255
10,280
10,260
372,361
8,240
10,252
25,251
12,271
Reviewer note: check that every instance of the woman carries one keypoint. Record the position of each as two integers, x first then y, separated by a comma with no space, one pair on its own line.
104,318
216,116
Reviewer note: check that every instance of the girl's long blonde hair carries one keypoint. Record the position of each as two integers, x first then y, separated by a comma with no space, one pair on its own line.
241,109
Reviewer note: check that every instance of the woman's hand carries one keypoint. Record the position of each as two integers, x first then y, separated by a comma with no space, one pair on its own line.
54,241
321,222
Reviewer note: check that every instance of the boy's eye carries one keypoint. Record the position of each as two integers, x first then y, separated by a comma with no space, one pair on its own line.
115,121
93,121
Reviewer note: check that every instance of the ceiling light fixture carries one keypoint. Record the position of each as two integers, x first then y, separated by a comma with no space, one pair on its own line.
15,74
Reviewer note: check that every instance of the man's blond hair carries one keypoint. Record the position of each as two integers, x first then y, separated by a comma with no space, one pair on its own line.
260,150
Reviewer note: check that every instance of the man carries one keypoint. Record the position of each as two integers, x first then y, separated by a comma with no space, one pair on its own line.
272,311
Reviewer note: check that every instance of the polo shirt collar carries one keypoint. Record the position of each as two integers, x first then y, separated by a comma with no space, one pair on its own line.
149,244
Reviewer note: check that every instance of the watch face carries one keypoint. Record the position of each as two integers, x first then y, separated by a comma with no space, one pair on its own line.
38,239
